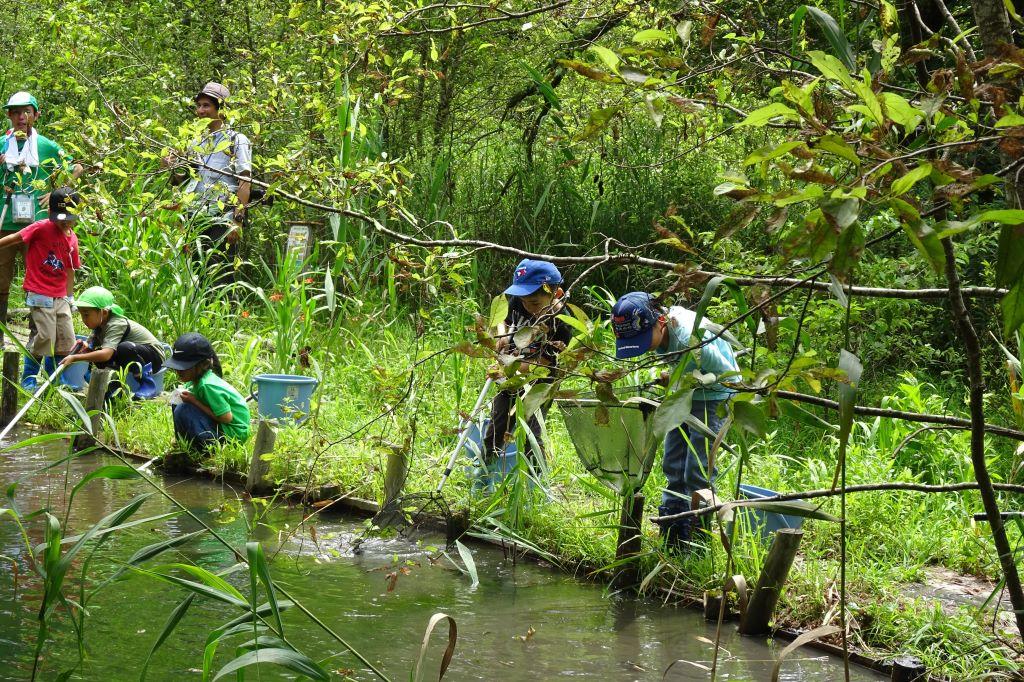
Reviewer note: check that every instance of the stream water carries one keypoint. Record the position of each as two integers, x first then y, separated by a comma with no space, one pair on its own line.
380,598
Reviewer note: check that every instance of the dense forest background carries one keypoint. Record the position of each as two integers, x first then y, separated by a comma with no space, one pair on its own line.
838,183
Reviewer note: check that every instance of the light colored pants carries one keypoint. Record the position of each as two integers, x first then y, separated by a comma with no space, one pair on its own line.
51,331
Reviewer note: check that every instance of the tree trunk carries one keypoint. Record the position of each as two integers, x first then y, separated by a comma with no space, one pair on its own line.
972,347
993,25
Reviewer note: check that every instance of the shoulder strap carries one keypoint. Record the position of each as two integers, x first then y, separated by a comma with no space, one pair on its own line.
127,330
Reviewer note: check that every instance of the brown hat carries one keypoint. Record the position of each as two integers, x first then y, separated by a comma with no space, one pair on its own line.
216,91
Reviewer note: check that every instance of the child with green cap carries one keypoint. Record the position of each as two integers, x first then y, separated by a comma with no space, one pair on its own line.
116,341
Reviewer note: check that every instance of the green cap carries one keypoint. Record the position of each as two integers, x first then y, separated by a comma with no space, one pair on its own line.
22,99
99,298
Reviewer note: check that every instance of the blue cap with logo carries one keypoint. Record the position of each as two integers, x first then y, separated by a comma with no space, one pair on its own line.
633,319
531,275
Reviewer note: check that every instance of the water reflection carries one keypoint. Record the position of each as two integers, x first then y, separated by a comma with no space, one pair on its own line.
521,623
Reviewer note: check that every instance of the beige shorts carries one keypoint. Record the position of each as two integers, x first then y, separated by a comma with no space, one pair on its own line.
51,330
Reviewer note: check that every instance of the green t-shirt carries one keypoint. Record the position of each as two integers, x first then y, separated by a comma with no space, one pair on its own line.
51,159
118,329
221,397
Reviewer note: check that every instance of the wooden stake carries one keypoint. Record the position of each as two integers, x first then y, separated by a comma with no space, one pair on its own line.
95,398
264,444
629,541
9,392
769,585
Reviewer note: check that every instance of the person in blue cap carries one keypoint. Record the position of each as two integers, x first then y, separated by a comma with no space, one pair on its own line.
534,300
641,325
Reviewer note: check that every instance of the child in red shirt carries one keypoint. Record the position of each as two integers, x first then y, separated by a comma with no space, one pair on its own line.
51,259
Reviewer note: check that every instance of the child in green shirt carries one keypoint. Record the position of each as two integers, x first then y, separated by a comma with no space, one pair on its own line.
211,410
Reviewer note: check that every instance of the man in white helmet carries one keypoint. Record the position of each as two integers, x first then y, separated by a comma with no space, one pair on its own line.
31,165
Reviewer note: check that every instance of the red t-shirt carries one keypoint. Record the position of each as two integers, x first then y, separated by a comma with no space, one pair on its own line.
49,254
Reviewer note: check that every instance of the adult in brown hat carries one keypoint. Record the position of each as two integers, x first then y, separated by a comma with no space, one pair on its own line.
218,165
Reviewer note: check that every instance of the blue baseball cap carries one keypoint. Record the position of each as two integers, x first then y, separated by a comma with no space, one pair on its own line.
633,320
531,275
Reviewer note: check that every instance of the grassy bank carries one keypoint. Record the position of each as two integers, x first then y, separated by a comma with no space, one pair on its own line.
367,408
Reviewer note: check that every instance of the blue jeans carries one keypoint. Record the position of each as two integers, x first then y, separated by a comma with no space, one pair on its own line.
194,428
686,463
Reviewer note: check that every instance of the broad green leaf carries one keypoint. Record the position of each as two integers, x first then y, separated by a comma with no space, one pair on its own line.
831,68
597,123
808,193
499,310
848,250
652,35
834,35
1010,120
288,658
903,184
761,117
1012,305
900,111
843,211
927,242
1005,216
1010,265
872,106
467,559
607,57
771,151
670,414
750,417
834,144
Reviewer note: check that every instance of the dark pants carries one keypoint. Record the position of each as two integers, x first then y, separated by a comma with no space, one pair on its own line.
216,257
128,353
686,459
503,425
194,428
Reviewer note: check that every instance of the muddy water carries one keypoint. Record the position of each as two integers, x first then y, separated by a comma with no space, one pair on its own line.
379,597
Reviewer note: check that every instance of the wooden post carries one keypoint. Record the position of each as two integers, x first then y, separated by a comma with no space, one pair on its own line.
769,585
908,669
264,444
629,541
94,402
9,392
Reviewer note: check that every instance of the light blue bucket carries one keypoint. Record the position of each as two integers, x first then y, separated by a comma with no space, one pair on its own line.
766,522
281,396
74,375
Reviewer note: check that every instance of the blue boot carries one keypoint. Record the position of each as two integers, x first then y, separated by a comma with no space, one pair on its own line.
146,388
29,372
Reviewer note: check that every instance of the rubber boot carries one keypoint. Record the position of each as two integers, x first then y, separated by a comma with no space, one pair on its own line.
29,374
146,389
676,533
